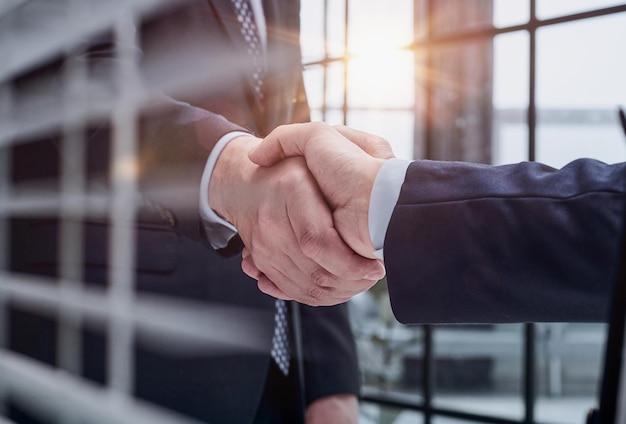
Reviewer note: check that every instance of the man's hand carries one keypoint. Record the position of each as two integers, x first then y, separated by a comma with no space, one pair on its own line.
287,229
343,161
336,409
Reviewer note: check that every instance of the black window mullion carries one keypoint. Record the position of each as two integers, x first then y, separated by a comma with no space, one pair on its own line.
325,62
532,110
530,392
428,372
346,59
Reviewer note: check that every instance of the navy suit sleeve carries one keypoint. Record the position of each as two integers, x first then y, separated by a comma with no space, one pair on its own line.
515,243
175,143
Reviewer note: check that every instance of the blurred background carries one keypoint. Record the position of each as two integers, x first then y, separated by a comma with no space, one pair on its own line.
489,81
494,82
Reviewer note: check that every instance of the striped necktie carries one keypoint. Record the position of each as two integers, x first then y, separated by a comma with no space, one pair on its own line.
280,341
249,31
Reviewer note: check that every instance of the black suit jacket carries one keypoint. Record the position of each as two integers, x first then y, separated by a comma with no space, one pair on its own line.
173,257
525,242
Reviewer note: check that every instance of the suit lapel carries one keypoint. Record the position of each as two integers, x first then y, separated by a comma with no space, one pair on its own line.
226,13
283,61
271,10
282,53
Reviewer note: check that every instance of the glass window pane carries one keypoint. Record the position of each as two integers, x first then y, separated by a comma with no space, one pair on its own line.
510,12
581,64
552,8
335,84
316,115
312,30
479,369
331,116
510,98
445,420
334,117
510,71
510,141
460,80
336,15
388,351
313,83
580,83
569,365
384,80
562,142
371,413
377,27
395,126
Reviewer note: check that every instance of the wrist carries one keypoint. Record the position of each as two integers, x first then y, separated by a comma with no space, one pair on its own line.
372,168
232,170
352,217
384,198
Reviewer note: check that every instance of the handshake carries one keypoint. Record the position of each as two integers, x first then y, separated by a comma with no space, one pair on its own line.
300,202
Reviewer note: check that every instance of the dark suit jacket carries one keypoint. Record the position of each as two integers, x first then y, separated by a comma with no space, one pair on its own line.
173,256
525,242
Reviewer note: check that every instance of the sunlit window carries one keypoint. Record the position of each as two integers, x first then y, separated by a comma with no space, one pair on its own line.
490,81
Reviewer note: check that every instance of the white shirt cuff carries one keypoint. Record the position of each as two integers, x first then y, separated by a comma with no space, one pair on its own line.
218,230
385,193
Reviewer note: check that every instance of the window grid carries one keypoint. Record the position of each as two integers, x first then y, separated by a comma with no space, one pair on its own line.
58,393
121,247
423,145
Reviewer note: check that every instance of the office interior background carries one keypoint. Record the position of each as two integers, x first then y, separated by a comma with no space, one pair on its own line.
492,82
489,81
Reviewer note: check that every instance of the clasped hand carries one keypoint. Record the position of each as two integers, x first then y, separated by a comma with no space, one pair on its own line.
299,200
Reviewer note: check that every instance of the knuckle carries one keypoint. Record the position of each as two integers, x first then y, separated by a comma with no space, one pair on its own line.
281,129
311,243
265,219
262,286
316,293
320,277
287,181
319,126
315,296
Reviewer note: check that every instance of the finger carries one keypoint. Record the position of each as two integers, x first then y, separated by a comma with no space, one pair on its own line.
286,141
303,208
245,253
327,295
320,297
302,272
268,287
288,267
273,149
317,238
249,268
353,287
314,275
372,144
309,294
329,250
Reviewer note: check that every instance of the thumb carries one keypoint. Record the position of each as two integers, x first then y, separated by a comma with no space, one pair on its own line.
279,144
371,144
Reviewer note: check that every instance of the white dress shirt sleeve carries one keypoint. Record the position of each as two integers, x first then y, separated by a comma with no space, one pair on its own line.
218,230
385,193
